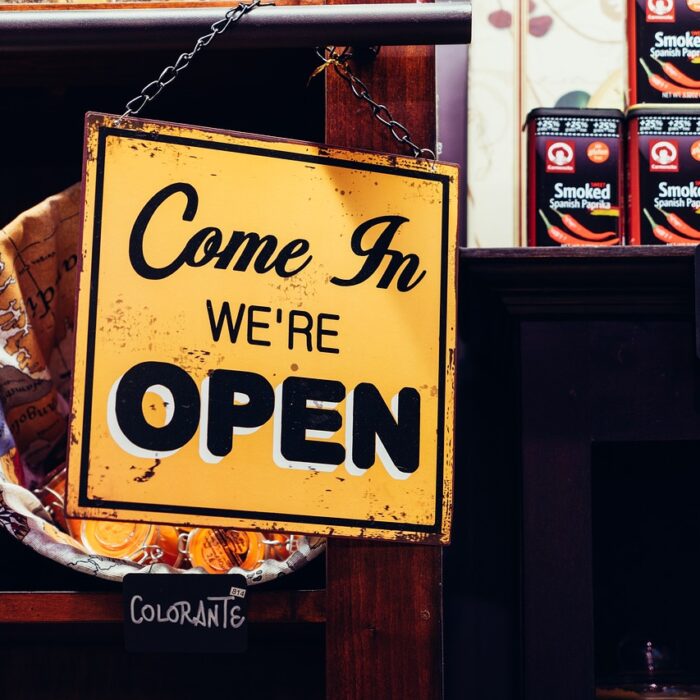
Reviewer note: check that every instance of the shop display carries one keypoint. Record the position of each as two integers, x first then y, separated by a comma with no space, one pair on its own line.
575,188
215,550
664,165
664,51
34,386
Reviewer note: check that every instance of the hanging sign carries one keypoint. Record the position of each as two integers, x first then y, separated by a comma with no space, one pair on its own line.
193,614
265,335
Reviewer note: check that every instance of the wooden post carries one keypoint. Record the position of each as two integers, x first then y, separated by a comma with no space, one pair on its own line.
384,601
383,621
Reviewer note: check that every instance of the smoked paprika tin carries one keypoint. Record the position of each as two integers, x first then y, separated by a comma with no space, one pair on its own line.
664,174
663,51
575,177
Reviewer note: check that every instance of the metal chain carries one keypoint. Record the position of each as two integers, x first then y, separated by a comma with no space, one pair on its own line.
339,61
154,88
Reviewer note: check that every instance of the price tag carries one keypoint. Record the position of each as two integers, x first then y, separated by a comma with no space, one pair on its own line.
185,613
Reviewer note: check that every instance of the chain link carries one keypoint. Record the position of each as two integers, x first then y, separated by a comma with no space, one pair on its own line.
339,61
401,134
154,88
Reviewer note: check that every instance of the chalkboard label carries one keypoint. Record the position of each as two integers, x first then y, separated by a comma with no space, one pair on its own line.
185,613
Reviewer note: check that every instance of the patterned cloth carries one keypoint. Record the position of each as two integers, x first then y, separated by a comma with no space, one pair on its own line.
38,276
38,279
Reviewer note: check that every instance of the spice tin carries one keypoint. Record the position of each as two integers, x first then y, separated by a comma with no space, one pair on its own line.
663,51
218,550
664,174
575,177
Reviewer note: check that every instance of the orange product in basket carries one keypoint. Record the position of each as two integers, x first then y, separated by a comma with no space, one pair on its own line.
168,540
220,549
119,540
277,545
139,542
52,496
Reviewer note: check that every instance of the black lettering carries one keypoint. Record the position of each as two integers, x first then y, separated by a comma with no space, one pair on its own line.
297,418
305,330
252,324
251,245
321,331
225,415
206,244
372,418
260,250
225,317
209,240
376,253
293,249
129,413
138,261
47,296
70,262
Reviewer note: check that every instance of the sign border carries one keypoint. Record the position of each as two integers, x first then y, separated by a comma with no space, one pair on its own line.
104,132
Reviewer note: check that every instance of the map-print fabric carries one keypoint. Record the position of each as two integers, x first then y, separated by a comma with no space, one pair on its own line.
38,273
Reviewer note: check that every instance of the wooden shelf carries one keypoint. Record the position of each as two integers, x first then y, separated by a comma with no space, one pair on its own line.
62,607
581,252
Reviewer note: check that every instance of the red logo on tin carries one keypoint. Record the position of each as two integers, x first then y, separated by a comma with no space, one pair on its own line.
663,156
661,11
561,157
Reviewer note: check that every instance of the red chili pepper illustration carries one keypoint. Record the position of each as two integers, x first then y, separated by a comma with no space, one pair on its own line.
677,74
680,225
663,234
662,85
580,230
563,238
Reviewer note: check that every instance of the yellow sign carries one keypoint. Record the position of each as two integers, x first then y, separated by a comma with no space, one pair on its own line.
265,335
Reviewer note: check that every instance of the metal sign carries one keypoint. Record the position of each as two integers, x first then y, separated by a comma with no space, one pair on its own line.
265,335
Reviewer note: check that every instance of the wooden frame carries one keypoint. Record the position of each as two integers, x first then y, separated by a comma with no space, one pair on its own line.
393,621
567,348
